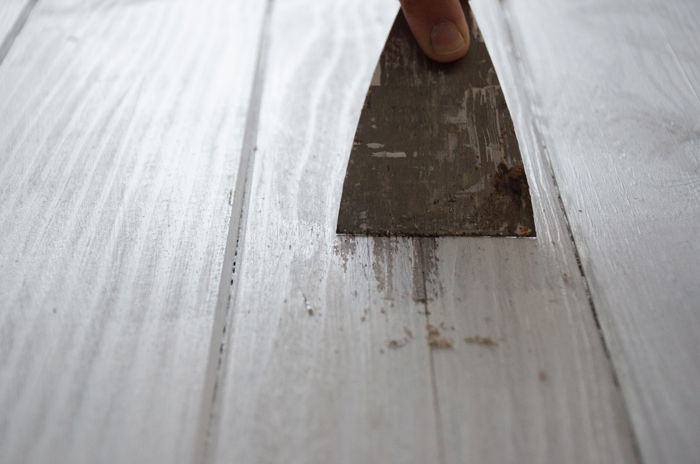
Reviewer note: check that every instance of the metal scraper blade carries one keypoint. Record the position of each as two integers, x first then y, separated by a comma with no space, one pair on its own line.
435,152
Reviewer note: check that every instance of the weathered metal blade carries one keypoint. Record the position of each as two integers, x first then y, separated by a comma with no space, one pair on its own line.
435,152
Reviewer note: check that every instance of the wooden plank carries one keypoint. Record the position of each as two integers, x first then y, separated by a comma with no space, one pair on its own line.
619,110
122,127
312,372
527,379
318,366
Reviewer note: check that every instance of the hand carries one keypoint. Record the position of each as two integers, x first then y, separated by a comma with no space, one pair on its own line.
439,27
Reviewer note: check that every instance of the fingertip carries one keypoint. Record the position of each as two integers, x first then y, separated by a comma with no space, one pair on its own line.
448,42
439,26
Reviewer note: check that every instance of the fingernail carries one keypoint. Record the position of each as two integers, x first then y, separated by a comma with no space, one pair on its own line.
446,38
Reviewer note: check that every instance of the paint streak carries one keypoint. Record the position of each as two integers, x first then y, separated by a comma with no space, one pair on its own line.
389,154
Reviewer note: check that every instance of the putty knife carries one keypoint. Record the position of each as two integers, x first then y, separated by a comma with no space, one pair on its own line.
435,152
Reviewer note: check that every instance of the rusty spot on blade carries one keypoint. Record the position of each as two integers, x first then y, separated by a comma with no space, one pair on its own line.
435,152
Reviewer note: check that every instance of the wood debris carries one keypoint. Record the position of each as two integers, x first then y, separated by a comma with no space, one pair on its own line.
483,341
437,340
395,343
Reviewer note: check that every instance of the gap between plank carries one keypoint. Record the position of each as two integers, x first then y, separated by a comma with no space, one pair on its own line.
228,283
433,377
530,97
16,29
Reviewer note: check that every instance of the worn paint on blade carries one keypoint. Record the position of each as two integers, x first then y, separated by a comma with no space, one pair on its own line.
389,154
435,151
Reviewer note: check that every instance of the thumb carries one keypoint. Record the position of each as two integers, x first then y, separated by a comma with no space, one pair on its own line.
439,27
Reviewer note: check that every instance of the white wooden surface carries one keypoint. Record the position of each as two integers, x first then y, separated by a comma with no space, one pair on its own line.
123,125
617,102
327,357
310,375
121,130
544,391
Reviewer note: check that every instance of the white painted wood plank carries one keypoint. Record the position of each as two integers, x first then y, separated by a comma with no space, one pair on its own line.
121,131
527,379
619,110
311,376
308,374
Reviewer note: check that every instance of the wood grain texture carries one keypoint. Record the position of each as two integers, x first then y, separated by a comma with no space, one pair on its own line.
311,375
121,130
330,356
618,106
527,379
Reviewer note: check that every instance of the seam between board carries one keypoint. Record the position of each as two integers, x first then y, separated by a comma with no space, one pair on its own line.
531,98
209,418
433,377
16,29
